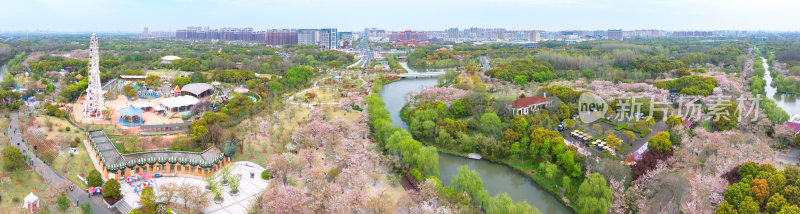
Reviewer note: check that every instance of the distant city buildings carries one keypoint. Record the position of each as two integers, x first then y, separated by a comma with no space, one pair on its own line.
615,34
331,38
327,38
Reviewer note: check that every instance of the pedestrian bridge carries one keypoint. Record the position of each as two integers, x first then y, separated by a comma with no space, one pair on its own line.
420,75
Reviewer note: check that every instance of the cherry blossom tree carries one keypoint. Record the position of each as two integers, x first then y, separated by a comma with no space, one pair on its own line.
286,199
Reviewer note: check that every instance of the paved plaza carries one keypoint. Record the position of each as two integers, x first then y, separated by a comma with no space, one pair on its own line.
248,190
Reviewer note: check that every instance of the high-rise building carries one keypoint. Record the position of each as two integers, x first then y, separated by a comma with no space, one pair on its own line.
345,39
329,38
144,32
452,34
279,37
308,36
615,34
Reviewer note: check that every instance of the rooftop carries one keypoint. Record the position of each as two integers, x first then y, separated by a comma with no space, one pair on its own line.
170,58
113,160
527,101
197,88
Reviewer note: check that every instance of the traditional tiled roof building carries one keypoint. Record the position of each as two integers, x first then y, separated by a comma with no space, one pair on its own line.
113,164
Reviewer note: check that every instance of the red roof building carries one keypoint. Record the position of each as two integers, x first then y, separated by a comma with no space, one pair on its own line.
529,105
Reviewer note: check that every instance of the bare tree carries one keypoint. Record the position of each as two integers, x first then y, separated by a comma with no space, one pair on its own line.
168,191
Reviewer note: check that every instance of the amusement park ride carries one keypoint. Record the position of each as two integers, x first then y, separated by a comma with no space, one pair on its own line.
218,99
94,93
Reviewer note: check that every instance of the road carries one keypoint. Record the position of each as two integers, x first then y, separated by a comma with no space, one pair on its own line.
485,63
51,176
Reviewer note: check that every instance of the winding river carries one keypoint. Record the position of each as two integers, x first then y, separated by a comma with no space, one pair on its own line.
788,102
496,178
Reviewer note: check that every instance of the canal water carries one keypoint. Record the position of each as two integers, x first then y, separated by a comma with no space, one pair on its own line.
496,178
3,70
788,102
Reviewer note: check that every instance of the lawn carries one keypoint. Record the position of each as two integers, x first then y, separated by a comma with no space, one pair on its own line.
72,165
15,186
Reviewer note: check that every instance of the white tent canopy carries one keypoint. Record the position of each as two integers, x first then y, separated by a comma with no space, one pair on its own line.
143,105
177,102
31,201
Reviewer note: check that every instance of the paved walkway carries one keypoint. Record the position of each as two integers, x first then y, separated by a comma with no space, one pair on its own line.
50,176
249,189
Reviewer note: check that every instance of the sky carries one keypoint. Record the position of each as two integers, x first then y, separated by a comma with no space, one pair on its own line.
355,15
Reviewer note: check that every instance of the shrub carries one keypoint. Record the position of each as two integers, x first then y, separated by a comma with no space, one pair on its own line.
67,128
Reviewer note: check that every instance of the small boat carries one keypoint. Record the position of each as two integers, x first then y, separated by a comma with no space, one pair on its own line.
474,156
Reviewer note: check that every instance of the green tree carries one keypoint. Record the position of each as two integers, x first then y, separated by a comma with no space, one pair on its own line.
725,208
549,169
129,91
613,141
792,194
427,160
737,192
796,140
111,189
569,123
748,168
152,80
629,136
792,174
520,80
775,203
63,203
94,179
748,206
660,142
776,182
181,81
727,116
789,209
673,121
13,158
490,124
148,197
86,208
502,204
593,195
469,181
588,73
563,112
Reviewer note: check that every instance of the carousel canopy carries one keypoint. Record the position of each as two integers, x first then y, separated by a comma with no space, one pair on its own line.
241,90
130,111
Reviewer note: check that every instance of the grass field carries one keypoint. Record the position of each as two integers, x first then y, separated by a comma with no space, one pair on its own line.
74,165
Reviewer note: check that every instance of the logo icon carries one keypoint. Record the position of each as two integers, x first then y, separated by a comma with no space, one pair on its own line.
591,107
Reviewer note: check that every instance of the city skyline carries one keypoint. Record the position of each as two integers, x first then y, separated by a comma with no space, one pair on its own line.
355,15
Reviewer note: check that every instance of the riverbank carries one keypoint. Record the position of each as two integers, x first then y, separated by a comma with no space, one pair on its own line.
526,169
498,177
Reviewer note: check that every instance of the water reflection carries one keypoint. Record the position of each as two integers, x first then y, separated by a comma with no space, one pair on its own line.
496,178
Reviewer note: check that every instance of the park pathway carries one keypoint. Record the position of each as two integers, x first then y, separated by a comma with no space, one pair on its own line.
51,176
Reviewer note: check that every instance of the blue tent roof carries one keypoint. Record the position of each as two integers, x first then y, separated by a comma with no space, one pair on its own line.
130,111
